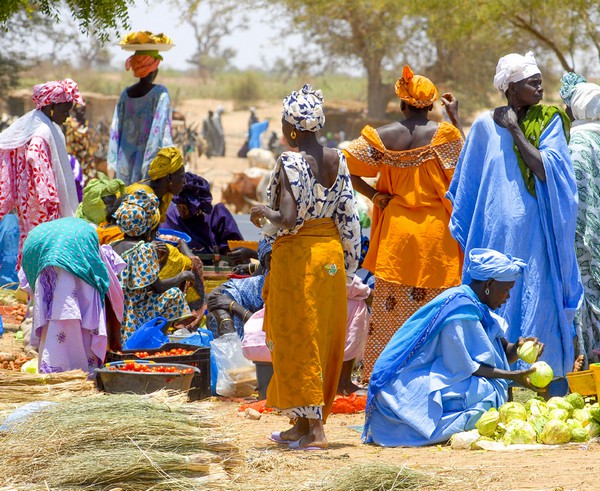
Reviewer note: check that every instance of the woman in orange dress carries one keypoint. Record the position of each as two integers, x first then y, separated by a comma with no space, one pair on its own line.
411,253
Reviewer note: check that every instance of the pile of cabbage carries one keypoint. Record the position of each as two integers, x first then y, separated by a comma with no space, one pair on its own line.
558,420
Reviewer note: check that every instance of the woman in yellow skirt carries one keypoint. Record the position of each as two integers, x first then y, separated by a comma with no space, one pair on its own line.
313,226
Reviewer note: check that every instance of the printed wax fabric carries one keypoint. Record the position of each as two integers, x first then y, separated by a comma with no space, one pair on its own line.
140,127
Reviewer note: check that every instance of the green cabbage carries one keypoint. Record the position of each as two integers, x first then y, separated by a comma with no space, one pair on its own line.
518,431
593,428
595,412
556,432
558,414
581,415
538,422
543,374
488,422
536,407
528,351
576,400
579,435
573,423
512,410
560,403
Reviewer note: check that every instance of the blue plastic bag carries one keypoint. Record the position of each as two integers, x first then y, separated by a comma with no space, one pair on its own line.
203,338
148,335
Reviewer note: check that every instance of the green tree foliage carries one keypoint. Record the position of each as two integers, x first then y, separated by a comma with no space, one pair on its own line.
101,16
377,33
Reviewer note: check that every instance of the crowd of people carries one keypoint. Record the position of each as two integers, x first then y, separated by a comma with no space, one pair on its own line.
477,244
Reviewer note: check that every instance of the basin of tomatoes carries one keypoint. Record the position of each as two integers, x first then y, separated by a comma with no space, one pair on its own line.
171,352
132,366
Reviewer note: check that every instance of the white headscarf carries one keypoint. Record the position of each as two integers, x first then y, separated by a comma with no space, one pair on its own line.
585,102
488,264
514,68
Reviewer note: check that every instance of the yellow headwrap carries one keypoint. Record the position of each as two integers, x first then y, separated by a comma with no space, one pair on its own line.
167,161
416,90
92,207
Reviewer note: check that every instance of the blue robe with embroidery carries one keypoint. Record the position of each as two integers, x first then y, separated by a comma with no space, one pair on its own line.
422,389
493,209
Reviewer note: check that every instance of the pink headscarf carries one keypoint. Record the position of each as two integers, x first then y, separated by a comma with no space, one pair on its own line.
56,92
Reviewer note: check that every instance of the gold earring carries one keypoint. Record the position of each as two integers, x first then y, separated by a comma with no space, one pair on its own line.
293,134
51,112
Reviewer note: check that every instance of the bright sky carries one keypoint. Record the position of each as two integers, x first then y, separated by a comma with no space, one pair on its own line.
252,45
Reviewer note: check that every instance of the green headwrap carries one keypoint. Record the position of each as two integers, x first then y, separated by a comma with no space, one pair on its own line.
92,208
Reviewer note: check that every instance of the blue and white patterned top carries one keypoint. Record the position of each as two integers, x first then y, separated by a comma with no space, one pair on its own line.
314,201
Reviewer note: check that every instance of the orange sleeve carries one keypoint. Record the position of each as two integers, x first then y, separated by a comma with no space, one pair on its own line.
364,152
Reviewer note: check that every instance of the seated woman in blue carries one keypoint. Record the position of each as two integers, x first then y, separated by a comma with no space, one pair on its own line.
449,363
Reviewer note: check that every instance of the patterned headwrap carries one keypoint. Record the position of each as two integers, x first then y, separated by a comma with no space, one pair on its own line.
195,194
490,264
167,161
138,213
304,109
143,63
56,92
416,90
569,81
514,68
92,208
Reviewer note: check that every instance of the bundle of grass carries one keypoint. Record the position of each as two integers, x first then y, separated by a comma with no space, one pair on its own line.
125,441
19,387
376,477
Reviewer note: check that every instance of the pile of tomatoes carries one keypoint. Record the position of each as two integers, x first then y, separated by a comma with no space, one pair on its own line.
171,352
132,366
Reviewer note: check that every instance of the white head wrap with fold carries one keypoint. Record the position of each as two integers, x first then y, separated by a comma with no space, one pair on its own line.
304,109
514,68
585,102
488,264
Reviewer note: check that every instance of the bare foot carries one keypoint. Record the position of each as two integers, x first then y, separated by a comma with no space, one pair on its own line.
578,365
299,430
347,389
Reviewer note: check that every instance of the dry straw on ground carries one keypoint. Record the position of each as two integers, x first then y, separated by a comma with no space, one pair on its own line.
376,477
119,441
18,387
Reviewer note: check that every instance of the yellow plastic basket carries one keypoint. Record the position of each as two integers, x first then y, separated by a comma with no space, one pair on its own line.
212,281
243,243
584,382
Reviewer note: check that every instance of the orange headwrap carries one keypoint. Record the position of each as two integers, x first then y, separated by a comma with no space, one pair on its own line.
416,90
142,64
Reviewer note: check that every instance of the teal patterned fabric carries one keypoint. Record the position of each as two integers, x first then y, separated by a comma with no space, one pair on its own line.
585,153
68,243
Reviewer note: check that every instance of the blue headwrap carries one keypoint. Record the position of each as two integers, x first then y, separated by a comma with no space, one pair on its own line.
195,194
490,264
304,109
569,81
264,248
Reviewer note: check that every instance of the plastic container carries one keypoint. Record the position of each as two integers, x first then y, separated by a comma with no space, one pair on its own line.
264,372
116,381
582,382
200,358
250,244
595,368
167,231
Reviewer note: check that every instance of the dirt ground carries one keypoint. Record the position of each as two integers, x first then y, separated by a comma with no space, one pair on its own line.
274,468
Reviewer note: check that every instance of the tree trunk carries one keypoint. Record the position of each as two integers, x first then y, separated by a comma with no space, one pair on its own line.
378,94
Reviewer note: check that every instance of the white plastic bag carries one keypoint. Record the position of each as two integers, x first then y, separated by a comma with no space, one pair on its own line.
237,375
